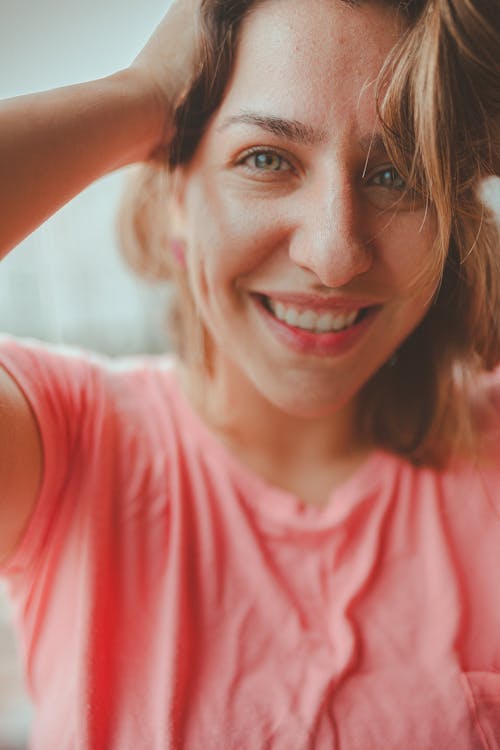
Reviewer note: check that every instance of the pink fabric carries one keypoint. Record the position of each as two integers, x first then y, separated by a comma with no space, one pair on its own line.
168,598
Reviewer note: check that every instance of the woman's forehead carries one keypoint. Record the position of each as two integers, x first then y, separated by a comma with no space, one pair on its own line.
312,20
309,63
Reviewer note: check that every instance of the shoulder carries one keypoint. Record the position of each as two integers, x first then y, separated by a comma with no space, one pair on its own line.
81,396
76,375
46,372
93,422
471,481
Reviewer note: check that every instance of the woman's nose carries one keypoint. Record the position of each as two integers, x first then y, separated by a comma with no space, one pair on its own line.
330,238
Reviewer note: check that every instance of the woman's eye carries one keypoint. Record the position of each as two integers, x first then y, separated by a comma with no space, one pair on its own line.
266,161
395,194
389,178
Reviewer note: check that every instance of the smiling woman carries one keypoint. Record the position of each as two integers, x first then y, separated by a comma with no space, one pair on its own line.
318,242
412,407
270,540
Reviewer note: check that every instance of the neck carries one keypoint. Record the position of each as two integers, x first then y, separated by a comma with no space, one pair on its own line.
283,448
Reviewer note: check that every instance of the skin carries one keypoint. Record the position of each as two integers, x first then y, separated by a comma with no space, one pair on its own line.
52,145
67,138
320,220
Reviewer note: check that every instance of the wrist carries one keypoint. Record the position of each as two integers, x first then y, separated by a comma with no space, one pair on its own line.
147,111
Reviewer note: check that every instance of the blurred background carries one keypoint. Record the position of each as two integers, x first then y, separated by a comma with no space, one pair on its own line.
66,282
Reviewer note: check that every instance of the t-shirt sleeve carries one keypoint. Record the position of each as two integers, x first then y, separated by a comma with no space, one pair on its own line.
61,386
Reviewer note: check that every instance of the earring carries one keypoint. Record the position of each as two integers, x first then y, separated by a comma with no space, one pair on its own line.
178,250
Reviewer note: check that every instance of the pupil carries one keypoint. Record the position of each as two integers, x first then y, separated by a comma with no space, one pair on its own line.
268,160
392,179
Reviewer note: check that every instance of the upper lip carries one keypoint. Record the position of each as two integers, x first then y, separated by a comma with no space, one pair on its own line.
319,302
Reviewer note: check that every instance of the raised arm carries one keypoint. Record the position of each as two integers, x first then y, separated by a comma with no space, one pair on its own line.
54,144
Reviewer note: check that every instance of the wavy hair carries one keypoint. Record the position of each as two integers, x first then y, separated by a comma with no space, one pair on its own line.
439,104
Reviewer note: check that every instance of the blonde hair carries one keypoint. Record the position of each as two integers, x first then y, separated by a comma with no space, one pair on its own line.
439,103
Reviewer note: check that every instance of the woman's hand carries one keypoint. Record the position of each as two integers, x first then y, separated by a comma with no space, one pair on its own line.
166,62
54,144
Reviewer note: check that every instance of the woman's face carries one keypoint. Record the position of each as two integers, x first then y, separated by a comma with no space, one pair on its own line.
299,255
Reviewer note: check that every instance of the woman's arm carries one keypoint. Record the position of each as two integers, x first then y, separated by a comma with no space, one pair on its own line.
20,464
54,144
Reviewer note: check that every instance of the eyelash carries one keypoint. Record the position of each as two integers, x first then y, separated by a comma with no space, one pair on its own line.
396,176
274,153
259,151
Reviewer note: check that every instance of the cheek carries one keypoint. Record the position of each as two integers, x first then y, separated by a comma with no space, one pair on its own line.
409,254
228,237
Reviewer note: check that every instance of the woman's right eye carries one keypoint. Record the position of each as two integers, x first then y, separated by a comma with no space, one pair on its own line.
262,160
390,179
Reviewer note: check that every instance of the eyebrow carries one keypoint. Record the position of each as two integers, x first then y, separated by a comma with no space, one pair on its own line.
298,132
292,130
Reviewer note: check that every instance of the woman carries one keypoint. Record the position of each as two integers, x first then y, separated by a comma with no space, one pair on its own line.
282,539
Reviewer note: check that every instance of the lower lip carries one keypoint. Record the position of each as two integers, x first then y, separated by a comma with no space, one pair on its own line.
319,344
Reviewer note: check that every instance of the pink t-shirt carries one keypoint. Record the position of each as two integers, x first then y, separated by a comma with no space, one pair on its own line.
166,597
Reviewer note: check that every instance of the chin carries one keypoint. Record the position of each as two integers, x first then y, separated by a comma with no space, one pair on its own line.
307,403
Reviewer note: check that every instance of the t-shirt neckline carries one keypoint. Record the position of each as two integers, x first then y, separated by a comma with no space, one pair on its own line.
282,509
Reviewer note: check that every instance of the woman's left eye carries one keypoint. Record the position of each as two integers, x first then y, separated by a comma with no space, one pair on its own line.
266,161
389,178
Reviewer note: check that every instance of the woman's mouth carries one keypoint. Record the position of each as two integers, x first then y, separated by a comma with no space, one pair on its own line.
311,320
319,331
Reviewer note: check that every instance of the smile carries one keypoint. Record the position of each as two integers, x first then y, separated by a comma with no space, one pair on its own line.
320,332
312,320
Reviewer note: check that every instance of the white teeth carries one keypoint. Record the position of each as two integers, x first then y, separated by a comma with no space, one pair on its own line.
308,320
312,321
324,323
280,310
339,322
292,317
351,318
